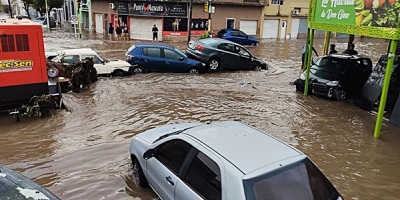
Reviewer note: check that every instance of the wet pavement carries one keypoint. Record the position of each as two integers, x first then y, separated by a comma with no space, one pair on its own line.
84,153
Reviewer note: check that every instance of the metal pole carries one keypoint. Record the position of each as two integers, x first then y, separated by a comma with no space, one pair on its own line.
309,55
47,14
328,43
385,87
10,9
190,21
209,15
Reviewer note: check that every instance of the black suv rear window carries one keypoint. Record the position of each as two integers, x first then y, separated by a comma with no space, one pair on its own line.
301,180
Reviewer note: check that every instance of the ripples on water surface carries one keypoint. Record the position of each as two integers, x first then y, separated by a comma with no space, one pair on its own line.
84,154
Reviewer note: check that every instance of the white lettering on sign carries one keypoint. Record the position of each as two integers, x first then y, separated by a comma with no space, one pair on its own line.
149,7
334,14
335,3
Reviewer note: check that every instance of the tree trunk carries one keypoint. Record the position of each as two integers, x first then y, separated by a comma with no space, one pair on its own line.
351,40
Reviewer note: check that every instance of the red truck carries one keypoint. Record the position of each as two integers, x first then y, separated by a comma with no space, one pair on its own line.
25,79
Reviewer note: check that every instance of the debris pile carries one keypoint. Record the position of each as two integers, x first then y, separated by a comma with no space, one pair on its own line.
79,75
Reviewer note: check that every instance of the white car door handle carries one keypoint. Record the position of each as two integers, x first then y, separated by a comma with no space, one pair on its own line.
169,179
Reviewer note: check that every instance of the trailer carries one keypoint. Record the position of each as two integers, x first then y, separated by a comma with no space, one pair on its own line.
27,85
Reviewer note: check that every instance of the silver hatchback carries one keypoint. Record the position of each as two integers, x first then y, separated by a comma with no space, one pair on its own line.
224,160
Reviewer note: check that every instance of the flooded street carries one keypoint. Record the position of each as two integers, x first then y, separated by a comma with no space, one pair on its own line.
84,153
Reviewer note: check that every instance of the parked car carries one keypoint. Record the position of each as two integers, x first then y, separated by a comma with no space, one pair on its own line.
219,53
224,160
337,76
102,65
237,36
43,22
16,186
161,57
22,17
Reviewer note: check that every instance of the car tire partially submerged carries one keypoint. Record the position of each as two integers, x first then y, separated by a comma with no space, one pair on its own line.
194,70
138,175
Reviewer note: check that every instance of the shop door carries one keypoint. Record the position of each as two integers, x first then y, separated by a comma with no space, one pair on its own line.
249,26
99,23
295,28
270,29
140,28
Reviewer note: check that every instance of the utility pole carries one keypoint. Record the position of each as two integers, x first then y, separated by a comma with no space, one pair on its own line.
209,15
10,10
47,15
78,14
190,21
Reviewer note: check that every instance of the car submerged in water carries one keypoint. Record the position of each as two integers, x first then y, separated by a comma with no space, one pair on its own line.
220,53
224,160
16,186
336,76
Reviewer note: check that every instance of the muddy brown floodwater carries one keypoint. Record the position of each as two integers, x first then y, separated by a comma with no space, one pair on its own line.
84,154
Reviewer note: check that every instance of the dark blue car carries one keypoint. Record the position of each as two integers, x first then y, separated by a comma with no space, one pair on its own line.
237,36
161,57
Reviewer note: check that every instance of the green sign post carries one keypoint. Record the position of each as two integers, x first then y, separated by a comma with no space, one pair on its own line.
372,18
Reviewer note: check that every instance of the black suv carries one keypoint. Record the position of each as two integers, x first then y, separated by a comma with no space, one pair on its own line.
337,76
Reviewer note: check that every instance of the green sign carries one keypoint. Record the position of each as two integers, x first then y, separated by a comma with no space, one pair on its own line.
377,13
335,11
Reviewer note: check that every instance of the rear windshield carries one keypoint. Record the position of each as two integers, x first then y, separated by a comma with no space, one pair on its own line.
330,64
208,40
301,180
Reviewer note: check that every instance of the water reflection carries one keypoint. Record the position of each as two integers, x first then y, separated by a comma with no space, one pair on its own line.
86,150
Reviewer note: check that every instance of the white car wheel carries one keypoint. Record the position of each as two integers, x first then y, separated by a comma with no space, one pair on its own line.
138,176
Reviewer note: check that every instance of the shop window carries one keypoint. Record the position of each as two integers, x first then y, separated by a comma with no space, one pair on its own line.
7,43
230,23
22,42
277,2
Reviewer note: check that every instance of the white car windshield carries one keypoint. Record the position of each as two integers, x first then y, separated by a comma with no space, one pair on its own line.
301,180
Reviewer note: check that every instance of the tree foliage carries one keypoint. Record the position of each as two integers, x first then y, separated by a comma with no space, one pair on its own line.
40,5
4,7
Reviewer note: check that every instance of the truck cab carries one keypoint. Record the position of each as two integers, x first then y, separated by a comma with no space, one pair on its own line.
24,74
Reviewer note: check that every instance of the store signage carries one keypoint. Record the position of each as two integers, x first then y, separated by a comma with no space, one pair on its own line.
373,13
153,9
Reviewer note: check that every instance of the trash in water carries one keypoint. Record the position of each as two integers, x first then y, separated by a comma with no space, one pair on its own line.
242,84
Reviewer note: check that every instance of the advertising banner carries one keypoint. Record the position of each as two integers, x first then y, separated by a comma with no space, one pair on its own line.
153,9
199,24
373,13
175,24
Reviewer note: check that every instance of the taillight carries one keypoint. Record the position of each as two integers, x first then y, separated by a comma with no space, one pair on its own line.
199,47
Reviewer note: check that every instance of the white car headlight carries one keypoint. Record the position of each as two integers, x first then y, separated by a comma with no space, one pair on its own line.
302,77
332,83
52,72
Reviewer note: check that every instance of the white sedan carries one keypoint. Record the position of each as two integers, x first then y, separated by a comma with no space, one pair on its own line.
224,160
103,66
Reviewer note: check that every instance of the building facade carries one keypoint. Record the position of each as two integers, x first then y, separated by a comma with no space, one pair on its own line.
285,19
172,18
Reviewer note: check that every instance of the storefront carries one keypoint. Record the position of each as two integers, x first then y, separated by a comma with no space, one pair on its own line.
171,19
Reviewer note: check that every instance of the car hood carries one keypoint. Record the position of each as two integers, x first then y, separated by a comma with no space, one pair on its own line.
16,186
323,76
155,134
193,61
252,38
118,63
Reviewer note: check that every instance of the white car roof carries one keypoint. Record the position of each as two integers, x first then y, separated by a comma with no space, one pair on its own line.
243,146
81,51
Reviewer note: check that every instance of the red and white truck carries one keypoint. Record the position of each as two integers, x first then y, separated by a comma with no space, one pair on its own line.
24,75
